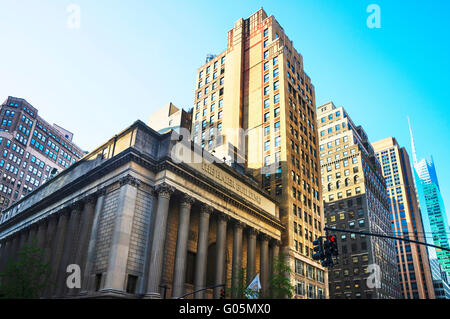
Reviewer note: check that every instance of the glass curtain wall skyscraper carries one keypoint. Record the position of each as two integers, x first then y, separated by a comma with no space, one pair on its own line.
435,219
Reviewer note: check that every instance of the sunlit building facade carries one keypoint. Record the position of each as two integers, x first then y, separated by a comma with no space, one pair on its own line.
255,108
355,198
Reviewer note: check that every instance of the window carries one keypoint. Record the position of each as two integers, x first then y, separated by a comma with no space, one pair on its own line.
266,103
266,54
277,141
266,77
266,145
277,126
276,98
275,60
266,90
219,115
276,85
275,72
266,66
266,32
266,117
276,112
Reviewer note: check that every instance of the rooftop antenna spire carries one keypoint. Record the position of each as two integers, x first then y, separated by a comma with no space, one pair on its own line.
412,143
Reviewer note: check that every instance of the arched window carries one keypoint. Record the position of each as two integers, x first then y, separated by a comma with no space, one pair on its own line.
355,179
338,184
347,181
329,187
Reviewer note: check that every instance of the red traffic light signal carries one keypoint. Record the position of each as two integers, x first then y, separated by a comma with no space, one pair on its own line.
331,238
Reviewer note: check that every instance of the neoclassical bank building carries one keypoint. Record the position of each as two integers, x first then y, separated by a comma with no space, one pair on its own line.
147,215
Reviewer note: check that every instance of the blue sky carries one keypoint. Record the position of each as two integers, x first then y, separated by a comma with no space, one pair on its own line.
130,57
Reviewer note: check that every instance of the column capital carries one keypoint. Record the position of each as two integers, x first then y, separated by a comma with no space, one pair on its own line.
164,190
252,231
187,200
91,199
223,216
238,224
101,191
77,206
206,209
264,237
275,242
128,179
65,211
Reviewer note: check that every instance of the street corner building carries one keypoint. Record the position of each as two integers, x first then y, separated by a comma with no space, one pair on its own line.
140,223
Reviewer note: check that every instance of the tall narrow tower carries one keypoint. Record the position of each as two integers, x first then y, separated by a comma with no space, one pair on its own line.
255,106
435,218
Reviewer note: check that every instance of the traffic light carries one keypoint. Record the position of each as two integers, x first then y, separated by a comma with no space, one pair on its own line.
222,293
327,260
333,245
318,249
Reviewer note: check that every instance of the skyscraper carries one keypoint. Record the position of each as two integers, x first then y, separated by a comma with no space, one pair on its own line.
412,260
255,106
31,149
435,218
440,280
355,199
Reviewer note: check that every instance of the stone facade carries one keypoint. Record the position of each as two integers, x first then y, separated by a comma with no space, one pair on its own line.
140,224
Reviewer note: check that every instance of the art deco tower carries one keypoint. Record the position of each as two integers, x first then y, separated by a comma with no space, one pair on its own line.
255,108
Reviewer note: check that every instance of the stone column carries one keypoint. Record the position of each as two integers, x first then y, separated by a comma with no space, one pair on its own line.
275,252
181,250
40,237
3,253
148,241
6,248
87,217
88,278
14,246
120,241
251,255
159,238
50,238
221,242
56,248
237,258
202,250
23,239
264,264
32,240
67,252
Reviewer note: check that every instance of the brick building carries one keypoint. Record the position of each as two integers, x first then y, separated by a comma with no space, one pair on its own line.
31,149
